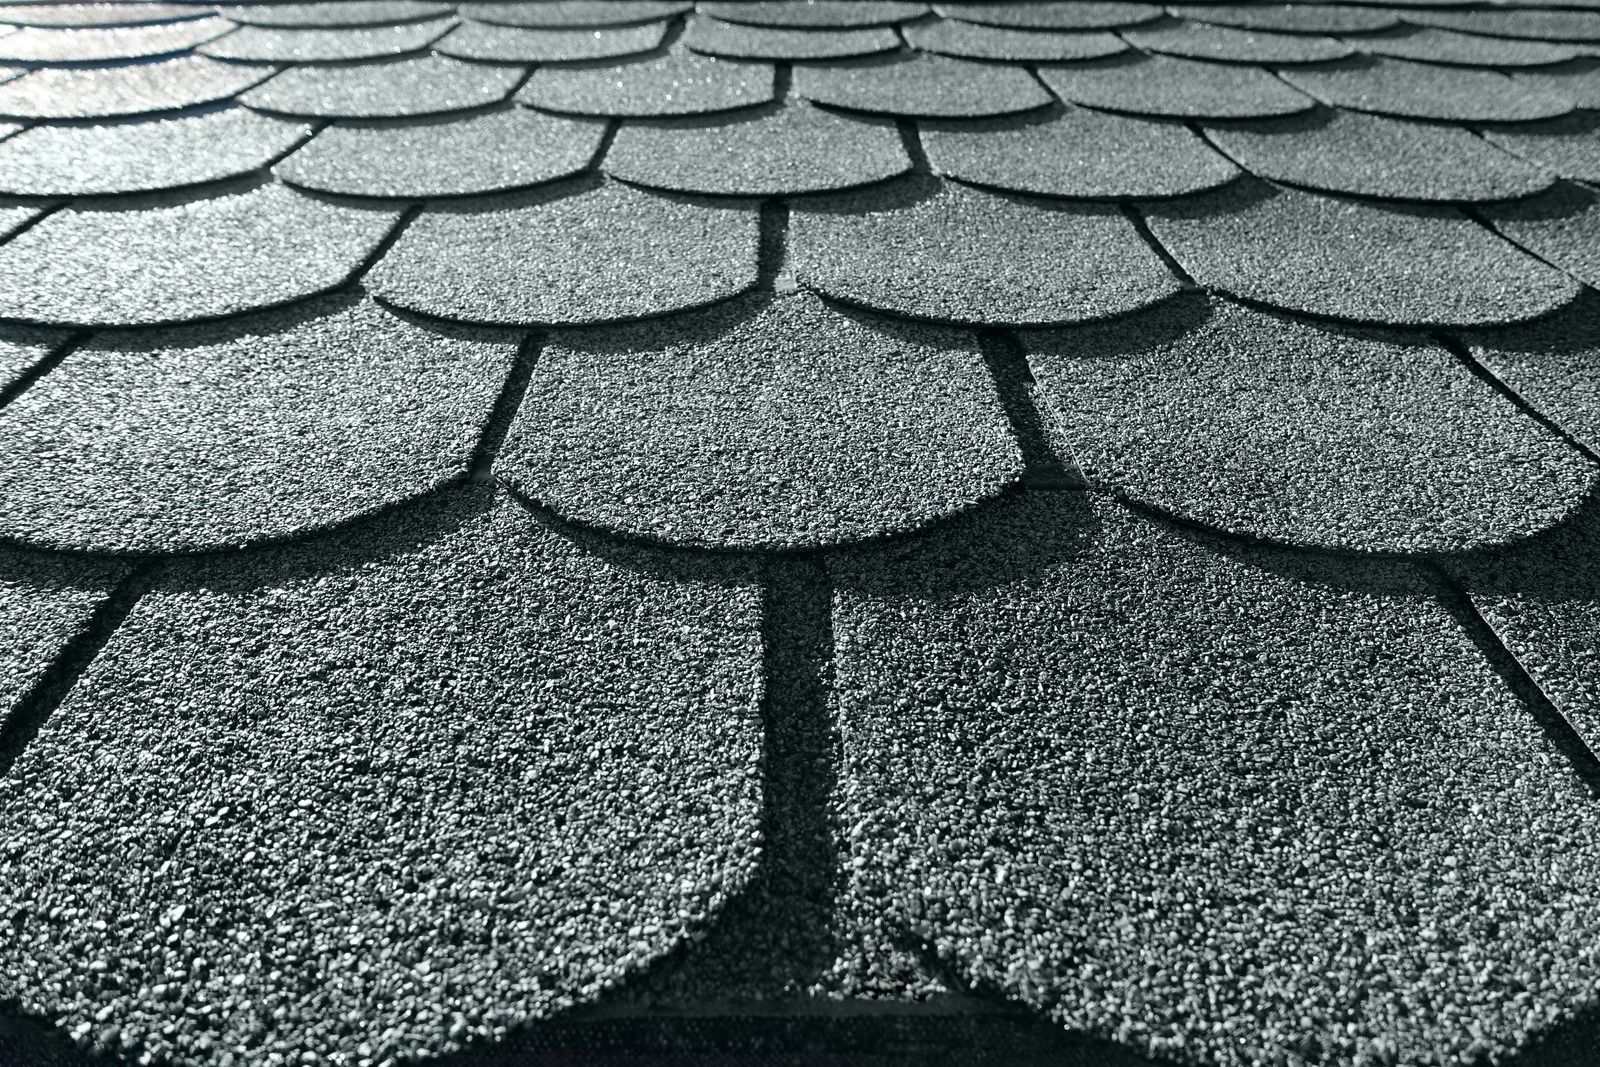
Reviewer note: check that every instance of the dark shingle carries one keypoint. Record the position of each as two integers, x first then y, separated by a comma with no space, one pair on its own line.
428,85
1533,25
1030,15
972,40
815,14
1270,428
799,149
573,260
1569,146
677,84
1404,89
208,437
45,601
1130,158
1563,226
50,46
782,426
81,15
922,86
1465,49
1226,44
738,41
267,741
967,256
559,13
1178,88
333,14
197,259
142,89
270,44
1363,262
1364,155
128,157
516,44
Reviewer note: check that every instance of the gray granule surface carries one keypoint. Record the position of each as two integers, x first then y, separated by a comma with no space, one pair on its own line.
1291,18
1029,15
1189,800
1568,146
103,92
466,772
1269,428
210,437
1130,158
45,601
1179,88
1227,44
679,84
1348,152
1533,25
1405,89
1578,81
204,258
799,149
453,157
738,41
576,12
922,86
142,156
971,40
271,44
815,14
341,13
1465,49
73,15
1344,259
429,85
1553,364
21,347
1563,227
517,44
790,425
13,216
574,260
42,45
967,256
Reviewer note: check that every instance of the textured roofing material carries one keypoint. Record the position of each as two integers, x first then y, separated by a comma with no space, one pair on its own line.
624,532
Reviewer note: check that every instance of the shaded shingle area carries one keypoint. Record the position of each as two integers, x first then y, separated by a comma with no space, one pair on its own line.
1562,226
142,156
21,348
268,740
965,256
50,45
1404,89
275,44
573,260
1227,44
1131,157
734,40
428,85
518,44
798,149
45,602
1176,88
922,86
204,438
815,14
14,216
335,14
575,12
83,15
140,89
171,262
679,84
973,40
1268,428
1553,364
1568,146
1533,25
1366,155
1292,18
455,157
1050,15
1363,262
1465,49
791,425
1097,765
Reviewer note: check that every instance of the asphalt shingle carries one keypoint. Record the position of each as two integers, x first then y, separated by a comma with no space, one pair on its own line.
21,348
1292,18
569,13
335,13
971,40
267,739
961,255
1053,15
1533,25
815,14
168,262
1465,49
734,40
517,44
143,156
1269,428
85,15
678,84
1562,226
428,85
1175,88
1404,89
922,86
1357,261
140,89
50,46
782,426
1577,81
273,44
452,157
1568,146
572,260
1230,45
45,601
14,216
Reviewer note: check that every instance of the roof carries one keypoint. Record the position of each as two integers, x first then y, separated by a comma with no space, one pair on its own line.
862,532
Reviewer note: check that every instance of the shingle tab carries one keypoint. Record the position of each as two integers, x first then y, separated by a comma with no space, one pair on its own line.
272,44
922,86
966,256
739,41
799,149
202,438
430,85
51,46
140,89
1177,88
1466,50
333,13
517,44
1028,15
572,260
786,426
1533,25
20,349
1269,428
1561,226
1577,81
557,13
199,259
815,14
144,156
1363,262
677,84
971,40
266,740
1225,44
1404,89
45,601
85,15
1291,18
1568,146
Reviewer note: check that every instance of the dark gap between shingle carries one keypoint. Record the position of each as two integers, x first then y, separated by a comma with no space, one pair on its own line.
44,365
1042,467
601,150
912,141
407,217
504,412
1464,355
772,248
46,695
1472,212
1132,215
782,81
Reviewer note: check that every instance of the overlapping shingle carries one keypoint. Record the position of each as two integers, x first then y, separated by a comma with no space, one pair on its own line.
557,13
1292,18
1465,49
678,84
272,44
163,262
54,46
428,85
139,89
1562,227
1533,25
14,216
86,15
21,348
965,256
517,44
972,40
572,260
1176,88
1570,146
1197,40
45,602
815,14
922,86
734,40
1053,15
335,13
1577,81
1404,89
142,156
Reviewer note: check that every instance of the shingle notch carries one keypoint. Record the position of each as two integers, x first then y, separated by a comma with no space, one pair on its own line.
679,84
428,85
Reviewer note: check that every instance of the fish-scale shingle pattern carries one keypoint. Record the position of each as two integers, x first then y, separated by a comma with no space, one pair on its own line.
511,507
